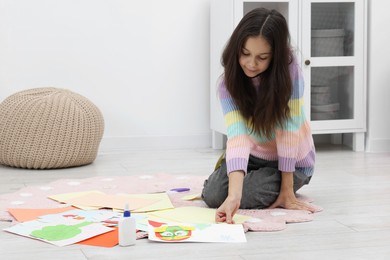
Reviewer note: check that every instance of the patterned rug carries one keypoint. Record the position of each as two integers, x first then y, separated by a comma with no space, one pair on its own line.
36,197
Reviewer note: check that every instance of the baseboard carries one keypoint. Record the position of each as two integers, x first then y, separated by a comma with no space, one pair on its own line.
109,144
377,145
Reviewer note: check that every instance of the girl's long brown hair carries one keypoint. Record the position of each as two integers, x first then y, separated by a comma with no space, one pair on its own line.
266,108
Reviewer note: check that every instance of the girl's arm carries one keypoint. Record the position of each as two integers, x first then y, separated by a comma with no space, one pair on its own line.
237,154
229,207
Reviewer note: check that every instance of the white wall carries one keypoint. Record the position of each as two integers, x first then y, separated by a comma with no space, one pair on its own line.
378,135
145,64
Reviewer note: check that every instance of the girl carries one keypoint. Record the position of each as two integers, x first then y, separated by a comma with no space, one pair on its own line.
270,151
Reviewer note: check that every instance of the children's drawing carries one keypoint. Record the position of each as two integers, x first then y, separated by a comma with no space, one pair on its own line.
74,216
173,233
184,232
60,233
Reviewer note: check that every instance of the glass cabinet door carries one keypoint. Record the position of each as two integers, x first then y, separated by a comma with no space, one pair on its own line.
332,48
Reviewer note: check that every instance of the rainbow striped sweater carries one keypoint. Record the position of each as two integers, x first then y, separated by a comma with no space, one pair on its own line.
292,146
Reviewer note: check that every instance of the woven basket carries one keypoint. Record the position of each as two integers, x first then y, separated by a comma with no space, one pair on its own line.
45,128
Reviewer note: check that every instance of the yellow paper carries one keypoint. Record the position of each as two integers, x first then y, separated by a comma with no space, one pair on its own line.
161,200
64,197
111,201
196,196
195,215
97,199
164,202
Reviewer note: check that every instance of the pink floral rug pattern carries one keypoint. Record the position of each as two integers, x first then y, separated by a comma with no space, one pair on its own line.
36,197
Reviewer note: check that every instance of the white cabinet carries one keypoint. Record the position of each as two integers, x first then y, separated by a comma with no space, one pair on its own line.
330,42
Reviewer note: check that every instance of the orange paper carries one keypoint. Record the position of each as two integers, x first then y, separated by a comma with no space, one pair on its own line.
23,215
109,239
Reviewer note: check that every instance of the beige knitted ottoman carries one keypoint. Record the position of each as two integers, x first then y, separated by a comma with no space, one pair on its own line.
46,128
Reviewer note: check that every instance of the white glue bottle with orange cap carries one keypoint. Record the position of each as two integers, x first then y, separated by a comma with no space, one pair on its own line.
126,228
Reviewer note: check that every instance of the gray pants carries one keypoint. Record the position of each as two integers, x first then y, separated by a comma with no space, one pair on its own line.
261,184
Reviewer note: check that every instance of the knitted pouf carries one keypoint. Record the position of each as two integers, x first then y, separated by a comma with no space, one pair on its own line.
46,128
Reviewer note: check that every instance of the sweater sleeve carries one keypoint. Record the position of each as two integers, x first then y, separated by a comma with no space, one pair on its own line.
238,143
294,137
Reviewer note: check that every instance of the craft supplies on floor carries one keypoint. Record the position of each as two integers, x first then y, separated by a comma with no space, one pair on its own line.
84,207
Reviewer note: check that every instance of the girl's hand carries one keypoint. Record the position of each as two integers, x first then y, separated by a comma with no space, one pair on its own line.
226,211
288,200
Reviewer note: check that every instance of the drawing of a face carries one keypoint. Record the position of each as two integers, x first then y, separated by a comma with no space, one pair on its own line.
173,233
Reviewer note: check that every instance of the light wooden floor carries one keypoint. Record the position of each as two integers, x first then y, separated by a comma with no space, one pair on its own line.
353,188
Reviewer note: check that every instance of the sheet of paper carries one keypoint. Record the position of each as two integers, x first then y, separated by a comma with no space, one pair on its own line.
143,223
108,239
110,201
196,196
81,215
194,215
164,202
185,232
67,196
105,217
59,233
25,214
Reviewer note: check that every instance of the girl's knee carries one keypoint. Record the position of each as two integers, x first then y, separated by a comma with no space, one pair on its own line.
213,197
215,188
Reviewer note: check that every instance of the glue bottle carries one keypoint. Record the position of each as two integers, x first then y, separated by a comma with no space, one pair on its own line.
126,228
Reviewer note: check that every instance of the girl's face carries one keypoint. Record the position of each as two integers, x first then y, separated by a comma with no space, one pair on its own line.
255,56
